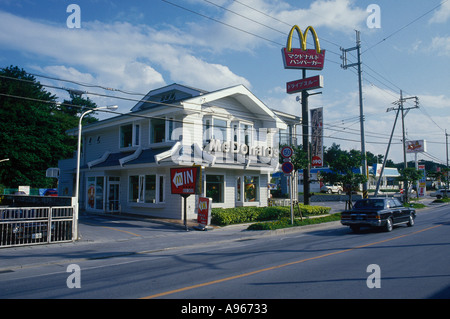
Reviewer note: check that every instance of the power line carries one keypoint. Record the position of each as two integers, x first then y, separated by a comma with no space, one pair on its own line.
407,25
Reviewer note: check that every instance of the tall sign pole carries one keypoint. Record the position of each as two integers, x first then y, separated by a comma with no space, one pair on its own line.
304,59
305,133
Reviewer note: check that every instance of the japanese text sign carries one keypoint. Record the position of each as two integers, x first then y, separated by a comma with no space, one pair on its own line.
315,82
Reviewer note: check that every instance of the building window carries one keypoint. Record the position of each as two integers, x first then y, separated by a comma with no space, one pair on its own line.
238,190
146,189
150,188
246,134
157,130
214,128
215,188
130,135
251,186
161,189
95,192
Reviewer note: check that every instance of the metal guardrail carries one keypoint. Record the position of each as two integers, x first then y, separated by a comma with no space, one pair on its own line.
21,226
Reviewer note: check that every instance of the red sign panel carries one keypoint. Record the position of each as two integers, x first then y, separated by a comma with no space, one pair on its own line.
204,211
316,161
184,180
303,59
315,82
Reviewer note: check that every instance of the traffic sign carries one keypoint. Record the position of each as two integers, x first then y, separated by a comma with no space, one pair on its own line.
316,161
287,167
287,152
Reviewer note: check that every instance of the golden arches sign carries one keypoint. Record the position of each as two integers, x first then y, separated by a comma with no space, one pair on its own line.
303,58
302,37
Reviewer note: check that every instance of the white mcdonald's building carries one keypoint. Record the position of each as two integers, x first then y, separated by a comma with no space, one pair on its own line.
126,160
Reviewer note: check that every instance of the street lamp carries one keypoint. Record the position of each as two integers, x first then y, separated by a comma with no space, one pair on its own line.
77,185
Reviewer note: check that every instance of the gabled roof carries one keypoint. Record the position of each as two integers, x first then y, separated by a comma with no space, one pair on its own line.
169,94
244,97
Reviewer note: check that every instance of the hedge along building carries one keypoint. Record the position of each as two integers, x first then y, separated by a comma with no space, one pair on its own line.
126,160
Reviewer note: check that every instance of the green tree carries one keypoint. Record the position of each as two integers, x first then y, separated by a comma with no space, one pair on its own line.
32,130
342,163
410,175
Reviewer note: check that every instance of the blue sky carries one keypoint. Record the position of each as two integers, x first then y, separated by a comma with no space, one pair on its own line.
137,46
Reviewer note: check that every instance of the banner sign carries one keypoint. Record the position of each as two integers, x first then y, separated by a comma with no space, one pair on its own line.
317,137
204,211
315,82
303,58
185,180
422,181
416,146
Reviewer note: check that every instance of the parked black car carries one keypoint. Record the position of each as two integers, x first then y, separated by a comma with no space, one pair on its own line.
378,212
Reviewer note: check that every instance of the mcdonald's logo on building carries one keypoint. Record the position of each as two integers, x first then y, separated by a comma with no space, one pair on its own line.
303,58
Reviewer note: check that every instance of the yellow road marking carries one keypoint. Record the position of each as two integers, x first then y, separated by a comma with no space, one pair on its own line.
279,266
116,229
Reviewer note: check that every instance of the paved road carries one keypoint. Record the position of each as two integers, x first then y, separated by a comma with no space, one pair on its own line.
328,261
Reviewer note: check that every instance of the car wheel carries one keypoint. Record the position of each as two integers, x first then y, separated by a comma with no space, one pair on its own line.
411,221
329,191
388,227
438,196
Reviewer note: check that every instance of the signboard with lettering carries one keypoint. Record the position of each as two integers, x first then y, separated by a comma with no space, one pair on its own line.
312,83
204,211
185,180
303,59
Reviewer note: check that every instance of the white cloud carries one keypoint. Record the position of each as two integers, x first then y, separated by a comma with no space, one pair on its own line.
268,22
441,45
441,15
118,55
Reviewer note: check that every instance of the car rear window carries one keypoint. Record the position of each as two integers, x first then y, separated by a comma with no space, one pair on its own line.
370,203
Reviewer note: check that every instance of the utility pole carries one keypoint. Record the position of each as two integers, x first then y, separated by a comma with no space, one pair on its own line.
387,151
361,108
400,103
446,149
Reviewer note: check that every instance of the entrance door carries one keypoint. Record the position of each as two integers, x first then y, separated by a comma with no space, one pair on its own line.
113,194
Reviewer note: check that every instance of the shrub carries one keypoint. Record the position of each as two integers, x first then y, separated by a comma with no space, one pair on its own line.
238,215
286,222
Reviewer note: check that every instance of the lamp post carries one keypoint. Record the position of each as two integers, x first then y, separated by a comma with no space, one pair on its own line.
77,182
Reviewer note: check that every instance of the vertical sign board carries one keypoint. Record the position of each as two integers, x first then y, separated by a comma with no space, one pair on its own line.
422,181
204,211
185,182
317,137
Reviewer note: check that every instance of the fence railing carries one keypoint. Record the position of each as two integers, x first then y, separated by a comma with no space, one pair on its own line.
20,226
